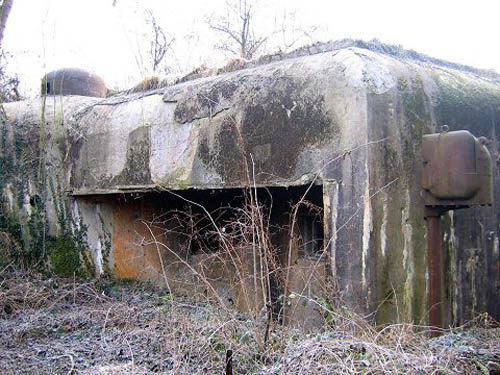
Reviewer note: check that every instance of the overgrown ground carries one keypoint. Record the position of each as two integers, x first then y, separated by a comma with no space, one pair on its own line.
65,326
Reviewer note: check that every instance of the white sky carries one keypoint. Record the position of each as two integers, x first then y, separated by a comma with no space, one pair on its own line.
44,35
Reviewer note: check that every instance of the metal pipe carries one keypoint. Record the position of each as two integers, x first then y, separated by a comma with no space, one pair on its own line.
434,260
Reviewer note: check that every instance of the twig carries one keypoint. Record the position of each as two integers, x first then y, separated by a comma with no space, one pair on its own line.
229,362
131,352
71,359
103,331
160,258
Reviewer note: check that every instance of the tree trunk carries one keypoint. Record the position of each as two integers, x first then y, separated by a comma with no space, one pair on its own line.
4,14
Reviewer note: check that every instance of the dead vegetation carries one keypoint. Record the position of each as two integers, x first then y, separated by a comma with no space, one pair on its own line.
147,84
155,83
59,326
396,51
67,326
55,325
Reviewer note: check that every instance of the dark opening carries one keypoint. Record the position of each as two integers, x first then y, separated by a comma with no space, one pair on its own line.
229,208
310,229
199,217
45,87
206,222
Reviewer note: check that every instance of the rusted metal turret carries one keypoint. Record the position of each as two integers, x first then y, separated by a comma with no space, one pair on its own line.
73,81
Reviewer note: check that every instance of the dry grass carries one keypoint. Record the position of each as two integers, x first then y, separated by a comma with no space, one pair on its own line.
147,84
68,326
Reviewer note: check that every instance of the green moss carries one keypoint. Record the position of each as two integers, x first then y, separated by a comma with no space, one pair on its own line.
64,256
13,226
10,173
36,244
402,83
416,105
11,250
25,173
399,270
87,268
20,168
468,103
176,179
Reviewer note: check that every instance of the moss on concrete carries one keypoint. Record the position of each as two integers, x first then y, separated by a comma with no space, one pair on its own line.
136,170
468,103
64,256
417,107
28,189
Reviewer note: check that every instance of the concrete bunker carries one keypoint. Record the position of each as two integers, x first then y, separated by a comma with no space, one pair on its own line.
348,115
244,247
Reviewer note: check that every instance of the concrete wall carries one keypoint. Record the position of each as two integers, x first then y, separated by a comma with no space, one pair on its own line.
351,118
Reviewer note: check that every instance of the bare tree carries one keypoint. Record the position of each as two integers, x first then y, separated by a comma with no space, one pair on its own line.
8,84
244,34
159,44
293,32
4,14
237,27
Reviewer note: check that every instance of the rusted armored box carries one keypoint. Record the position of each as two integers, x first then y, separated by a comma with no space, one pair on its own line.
457,170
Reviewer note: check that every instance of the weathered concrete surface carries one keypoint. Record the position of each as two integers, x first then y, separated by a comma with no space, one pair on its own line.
351,116
307,283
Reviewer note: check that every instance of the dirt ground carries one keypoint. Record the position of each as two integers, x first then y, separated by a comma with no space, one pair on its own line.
65,326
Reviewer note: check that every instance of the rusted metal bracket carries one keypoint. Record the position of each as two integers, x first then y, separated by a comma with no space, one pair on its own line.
434,261
457,173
